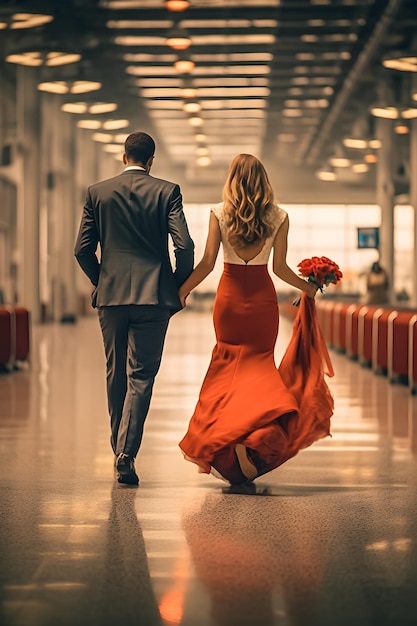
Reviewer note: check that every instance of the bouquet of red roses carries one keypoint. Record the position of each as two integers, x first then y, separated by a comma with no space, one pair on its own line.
320,271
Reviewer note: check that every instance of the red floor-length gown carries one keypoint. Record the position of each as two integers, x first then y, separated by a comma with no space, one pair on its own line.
252,416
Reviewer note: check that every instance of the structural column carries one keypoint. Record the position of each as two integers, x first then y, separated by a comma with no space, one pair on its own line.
62,206
385,198
69,304
28,139
413,202
86,173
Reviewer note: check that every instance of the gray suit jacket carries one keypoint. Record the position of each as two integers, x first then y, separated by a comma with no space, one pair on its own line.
132,216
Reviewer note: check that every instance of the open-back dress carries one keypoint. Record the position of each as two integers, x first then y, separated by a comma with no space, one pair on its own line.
252,416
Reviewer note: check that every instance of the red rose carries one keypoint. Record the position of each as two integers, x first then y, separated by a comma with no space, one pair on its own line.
320,270
306,267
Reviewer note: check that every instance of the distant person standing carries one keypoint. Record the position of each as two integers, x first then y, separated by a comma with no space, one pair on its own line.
135,288
377,285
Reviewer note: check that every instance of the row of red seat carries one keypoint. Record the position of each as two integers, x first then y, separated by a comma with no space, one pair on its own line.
382,338
14,336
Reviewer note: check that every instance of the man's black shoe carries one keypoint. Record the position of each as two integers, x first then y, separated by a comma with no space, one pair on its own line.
125,469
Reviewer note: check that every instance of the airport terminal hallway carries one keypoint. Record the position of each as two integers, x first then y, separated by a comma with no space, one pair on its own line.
330,538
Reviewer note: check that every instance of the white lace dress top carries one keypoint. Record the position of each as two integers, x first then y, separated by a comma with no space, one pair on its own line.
230,255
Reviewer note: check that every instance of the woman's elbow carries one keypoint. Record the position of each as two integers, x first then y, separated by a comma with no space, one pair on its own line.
207,264
210,266
278,269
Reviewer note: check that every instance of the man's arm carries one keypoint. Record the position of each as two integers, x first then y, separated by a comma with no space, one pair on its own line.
183,244
86,244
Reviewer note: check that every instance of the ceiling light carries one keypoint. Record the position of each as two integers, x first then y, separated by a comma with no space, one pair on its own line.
113,148
93,108
98,108
309,38
89,124
326,175
292,104
370,158
222,39
389,113
292,112
401,128
319,103
55,86
145,57
115,124
191,107
177,5
200,137
77,108
123,4
360,168
401,61
300,80
394,112
375,144
73,86
36,58
178,38
95,124
138,40
336,56
202,151
340,162
203,161
226,71
410,113
234,57
102,137
188,92
152,70
19,21
184,65
355,144
141,24
195,121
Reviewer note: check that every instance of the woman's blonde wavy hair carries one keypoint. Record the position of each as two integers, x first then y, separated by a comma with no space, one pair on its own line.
247,197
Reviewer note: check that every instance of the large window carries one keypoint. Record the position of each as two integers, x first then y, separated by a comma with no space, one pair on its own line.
329,230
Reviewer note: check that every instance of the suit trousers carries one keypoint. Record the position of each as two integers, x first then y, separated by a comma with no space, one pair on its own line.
133,337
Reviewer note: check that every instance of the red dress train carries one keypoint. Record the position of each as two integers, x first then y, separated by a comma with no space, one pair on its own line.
252,416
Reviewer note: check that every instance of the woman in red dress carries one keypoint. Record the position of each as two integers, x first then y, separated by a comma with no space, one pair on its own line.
252,416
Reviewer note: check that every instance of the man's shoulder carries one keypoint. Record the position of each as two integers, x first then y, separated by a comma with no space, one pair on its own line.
169,185
107,182
111,183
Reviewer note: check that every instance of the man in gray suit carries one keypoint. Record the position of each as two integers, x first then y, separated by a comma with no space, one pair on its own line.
135,288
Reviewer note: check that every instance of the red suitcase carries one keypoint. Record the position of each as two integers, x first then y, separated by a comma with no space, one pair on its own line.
22,336
6,341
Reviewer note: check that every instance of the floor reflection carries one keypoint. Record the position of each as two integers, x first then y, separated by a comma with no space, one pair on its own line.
15,397
125,595
328,539
257,562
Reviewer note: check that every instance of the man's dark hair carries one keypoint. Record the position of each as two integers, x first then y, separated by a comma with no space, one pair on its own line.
139,147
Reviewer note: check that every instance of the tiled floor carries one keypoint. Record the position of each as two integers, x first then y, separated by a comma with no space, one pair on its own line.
330,539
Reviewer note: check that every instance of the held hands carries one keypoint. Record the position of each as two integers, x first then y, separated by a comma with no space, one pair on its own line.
183,297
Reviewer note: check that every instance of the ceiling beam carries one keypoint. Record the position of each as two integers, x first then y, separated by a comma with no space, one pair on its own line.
312,153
